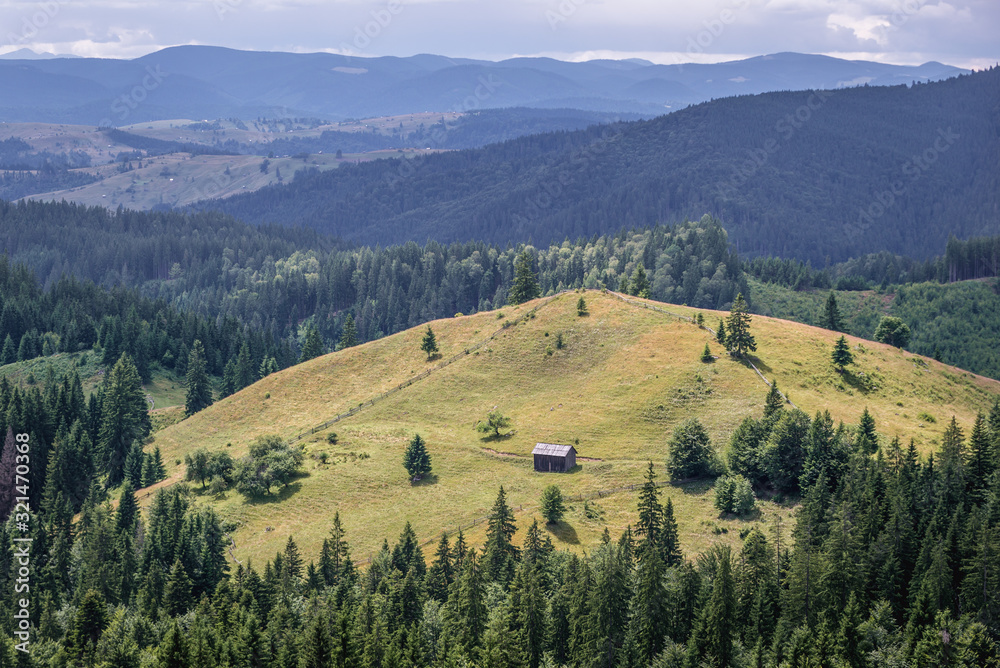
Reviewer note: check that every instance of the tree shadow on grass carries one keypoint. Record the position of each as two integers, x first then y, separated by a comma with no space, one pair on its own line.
496,438
429,479
276,495
764,368
563,532
693,486
857,382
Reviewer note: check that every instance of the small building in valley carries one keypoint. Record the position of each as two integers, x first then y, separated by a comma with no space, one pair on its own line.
553,457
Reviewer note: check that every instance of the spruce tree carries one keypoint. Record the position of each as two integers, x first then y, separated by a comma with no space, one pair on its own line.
831,316
841,354
246,374
293,560
581,306
9,353
525,285
173,649
349,335
640,283
981,463
706,355
553,507
866,438
177,591
650,514
720,332
739,340
774,403
416,461
429,344
124,418
500,554
312,346
199,388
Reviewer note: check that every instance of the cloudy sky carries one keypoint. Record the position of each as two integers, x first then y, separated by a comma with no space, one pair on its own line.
957,32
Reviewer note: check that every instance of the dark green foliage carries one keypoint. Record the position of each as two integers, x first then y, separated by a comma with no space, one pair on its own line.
831,316
689,452
785,451
9,354
894,331
720,332
706,355
199,388
525,285
429,344
739,340
270,462
866,438
552,507
124,418
500,555
349,333
581,307
313,345
639,285
416,461
773,403
734,494
841,354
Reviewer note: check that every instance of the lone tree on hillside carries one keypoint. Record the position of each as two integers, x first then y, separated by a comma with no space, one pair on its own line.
553,507
199,388
581,306
416,460
893,331
842,354
706,354
349,336
495,421
720,333
270,462
429,344
739,340
525,285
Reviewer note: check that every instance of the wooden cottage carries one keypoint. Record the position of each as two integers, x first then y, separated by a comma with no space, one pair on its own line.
552,457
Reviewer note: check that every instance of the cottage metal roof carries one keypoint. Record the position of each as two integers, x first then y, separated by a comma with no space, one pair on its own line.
552,449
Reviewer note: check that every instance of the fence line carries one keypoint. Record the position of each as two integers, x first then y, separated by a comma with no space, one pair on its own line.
705,327
427,372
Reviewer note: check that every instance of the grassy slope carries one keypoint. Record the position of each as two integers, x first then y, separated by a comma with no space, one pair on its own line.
625,379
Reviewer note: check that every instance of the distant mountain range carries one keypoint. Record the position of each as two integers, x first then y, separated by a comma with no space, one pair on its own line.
815,175
212,82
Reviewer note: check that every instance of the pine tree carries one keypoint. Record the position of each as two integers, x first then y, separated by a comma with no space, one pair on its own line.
640,283
441,574
349,335
739,340
841,354
500,554
650,514
312,346
177,591
245,372
866,438
981,463
429,344
293,560
124,418
9,353
774,403
268,366
553,507
199,389
525,286
720,333
416,461
831,316
670,541
581,306
706,355
230,383
317,646
8,467
718,625
173,649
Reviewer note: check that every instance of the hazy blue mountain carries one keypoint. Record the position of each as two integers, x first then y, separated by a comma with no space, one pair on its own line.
816,175
211,82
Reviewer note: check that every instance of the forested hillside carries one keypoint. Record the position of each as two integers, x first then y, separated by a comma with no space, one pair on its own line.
812,175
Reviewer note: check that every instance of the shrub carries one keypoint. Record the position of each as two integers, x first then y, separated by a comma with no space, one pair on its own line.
270,462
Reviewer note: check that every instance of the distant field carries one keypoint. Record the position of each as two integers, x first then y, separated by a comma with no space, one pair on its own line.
625,379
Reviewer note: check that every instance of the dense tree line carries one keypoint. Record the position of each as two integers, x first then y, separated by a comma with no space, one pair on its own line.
808,175
894,562
74,315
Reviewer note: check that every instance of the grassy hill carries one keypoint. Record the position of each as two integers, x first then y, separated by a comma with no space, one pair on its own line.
624,379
